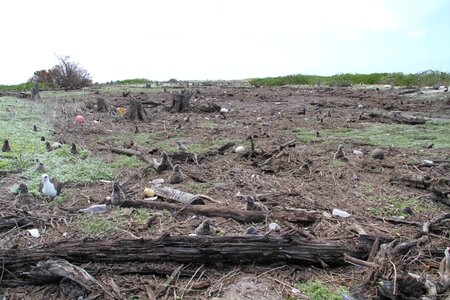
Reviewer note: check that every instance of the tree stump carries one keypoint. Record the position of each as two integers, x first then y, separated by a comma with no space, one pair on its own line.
101,105
136,111
35,92
180,102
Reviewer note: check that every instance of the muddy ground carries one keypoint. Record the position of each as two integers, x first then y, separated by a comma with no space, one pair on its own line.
303,177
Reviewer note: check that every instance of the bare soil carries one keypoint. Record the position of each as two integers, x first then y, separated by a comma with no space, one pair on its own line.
302,177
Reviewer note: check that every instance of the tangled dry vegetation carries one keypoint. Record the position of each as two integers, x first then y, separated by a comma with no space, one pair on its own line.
240,189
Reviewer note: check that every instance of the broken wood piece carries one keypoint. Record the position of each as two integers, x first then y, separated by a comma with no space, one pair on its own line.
56,268
177,195
358,262
10,222
161,290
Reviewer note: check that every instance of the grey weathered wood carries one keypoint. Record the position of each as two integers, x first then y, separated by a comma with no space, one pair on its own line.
232,250
176,195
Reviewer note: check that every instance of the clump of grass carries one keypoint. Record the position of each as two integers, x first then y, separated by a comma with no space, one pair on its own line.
305,135
316,290
94,224
122,162
398,135
394,206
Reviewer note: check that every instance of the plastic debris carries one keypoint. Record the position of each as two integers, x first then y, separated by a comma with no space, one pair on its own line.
34,232
97,208
340,213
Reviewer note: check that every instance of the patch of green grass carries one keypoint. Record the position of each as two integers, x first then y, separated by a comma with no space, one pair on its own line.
386,135
305,135
394,206
316,290
94,224
198,188
208,125
123,161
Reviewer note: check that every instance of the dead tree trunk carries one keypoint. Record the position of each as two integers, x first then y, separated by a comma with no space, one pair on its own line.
180,102
101,105
35,92
136,111
234,250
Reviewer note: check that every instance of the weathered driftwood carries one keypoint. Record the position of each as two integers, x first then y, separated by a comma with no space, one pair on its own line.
55,269
233,250
416,181
10,222
395,117
176,195
204,210
226,212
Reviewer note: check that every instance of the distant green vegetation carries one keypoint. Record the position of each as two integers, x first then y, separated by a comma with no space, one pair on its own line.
134,81
27,86
426,78
384,135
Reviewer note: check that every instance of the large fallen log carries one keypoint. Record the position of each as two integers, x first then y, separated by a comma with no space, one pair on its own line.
232,250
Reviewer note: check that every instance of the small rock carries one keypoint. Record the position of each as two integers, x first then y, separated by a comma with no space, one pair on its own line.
378,153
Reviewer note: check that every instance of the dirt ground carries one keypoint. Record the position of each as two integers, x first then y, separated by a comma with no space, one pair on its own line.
303,177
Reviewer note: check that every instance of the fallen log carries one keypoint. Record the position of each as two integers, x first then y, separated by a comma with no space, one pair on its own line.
395,117
204,210
232,250
10,222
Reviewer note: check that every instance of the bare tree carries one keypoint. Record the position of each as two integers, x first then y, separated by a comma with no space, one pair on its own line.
68,75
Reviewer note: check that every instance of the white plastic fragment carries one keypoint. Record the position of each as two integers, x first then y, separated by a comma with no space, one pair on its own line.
358,152
34,232
97,208
274,227
340,213
158,181
427,162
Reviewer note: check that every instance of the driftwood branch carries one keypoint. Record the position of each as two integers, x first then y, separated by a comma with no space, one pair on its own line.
204,210
54,269
234,250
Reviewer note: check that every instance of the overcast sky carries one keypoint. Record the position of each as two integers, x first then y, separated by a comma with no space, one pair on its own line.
229,39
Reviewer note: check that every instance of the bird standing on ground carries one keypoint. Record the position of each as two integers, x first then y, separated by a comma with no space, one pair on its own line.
117,195
23,189
40,168
340,153
251,205
205,228
181,147
49,188
6,147
51,147
35,128
176,176
73,149
164,164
